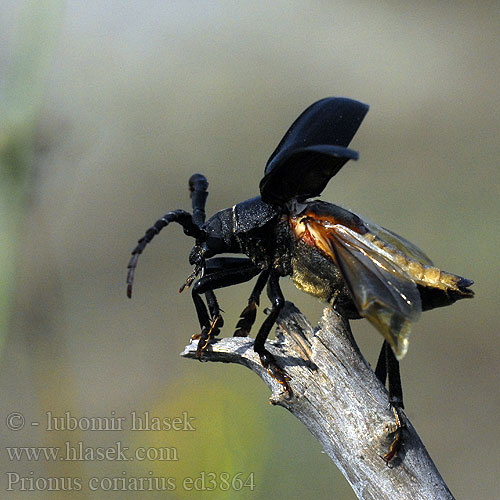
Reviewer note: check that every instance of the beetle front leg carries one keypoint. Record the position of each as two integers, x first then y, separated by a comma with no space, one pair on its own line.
208,326
214,311
266,358
238,272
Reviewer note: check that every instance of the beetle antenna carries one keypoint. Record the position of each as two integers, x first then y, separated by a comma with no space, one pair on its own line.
198,185
185,219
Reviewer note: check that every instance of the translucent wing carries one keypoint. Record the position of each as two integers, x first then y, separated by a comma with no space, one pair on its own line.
402,244
382,290
390,280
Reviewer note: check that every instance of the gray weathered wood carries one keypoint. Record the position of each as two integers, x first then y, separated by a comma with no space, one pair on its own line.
337,396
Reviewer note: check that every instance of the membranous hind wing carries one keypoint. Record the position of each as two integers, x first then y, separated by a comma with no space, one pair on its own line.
402,244
383,272
382,291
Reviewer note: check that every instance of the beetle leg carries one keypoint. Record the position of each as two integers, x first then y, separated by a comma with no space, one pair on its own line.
207,334
210,326
397,440
248,315
214,310
238,272
266,358
216,319
215,265
202,313
388,367
213,306
381,369
218,264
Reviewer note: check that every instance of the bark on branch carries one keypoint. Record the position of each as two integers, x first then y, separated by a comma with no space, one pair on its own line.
337,396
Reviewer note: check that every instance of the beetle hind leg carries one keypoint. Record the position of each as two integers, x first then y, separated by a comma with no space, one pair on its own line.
397,437
388,368
269,363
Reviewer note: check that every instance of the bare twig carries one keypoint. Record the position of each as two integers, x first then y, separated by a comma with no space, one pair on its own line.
336,395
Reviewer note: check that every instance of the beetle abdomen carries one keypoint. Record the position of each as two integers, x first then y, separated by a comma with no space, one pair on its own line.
316,274
422,274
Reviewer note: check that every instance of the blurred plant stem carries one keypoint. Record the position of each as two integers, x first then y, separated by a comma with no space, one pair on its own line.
28,52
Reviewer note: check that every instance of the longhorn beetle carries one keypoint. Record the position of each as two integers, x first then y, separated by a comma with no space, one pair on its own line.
361,269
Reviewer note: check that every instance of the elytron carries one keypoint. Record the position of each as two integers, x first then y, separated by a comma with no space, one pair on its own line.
360,268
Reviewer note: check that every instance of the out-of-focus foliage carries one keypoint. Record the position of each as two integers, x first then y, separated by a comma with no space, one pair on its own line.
22,83
107,108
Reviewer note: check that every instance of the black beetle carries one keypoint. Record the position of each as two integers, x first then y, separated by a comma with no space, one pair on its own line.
361,269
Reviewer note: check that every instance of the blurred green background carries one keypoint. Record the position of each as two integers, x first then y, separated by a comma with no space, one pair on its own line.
107,108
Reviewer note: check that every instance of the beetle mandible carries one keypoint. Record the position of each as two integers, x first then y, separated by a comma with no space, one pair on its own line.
360,268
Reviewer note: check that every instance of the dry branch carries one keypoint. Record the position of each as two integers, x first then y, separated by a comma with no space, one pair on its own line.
337,396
